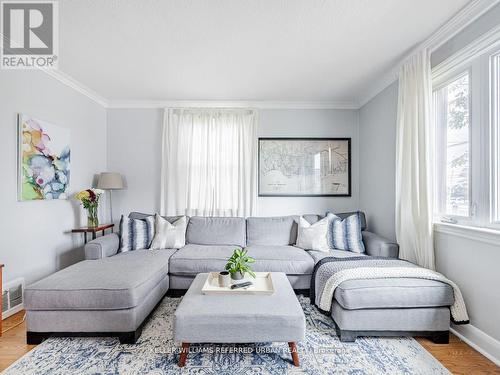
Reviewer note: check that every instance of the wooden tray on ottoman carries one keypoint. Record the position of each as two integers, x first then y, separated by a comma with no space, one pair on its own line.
262,284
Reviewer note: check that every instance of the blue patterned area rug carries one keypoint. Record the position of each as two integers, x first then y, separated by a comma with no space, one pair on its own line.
156,353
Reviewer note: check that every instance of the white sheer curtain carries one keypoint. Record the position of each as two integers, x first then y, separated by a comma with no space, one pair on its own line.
413,168
209,161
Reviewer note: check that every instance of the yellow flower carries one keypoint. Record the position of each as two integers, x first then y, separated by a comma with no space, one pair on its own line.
84,194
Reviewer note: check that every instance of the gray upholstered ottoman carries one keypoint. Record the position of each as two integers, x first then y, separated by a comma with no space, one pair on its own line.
226,318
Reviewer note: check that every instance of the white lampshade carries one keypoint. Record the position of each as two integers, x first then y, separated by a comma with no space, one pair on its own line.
110,181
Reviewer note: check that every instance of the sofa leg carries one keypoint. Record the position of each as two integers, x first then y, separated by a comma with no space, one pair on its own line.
441,337
345,336
35,338
130,337
183,354
295,355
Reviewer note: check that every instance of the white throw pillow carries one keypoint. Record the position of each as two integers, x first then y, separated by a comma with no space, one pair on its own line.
169,235
313,236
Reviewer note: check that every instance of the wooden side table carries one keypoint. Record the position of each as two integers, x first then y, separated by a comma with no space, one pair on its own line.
1,298
93,230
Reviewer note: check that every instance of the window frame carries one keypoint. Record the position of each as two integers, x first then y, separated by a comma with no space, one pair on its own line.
440,167
494,104
484,136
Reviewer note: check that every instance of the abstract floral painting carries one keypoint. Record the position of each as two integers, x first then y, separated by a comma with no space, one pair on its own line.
44,160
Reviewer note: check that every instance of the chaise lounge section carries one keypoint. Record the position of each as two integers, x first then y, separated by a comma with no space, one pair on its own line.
392,307
109,297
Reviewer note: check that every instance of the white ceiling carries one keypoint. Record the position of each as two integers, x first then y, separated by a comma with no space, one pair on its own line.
279,50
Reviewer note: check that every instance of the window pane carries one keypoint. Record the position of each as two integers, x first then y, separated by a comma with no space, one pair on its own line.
457,148
453,147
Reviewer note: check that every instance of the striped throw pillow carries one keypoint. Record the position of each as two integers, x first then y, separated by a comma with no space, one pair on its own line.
345,234
136,234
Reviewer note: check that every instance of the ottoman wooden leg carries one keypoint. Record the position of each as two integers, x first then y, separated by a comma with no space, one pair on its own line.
184,353
295,354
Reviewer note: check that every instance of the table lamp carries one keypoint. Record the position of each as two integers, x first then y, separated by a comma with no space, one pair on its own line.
110,181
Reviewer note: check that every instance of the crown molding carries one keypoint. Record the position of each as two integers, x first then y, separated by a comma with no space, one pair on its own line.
260,104
152,104
468,14
68,81
485,42
76,85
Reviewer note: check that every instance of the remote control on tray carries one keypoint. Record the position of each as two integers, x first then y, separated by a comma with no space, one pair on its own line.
241,285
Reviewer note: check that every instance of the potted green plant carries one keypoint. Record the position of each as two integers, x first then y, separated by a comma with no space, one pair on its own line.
238,264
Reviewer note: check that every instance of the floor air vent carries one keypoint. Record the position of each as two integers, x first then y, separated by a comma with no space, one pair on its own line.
12,297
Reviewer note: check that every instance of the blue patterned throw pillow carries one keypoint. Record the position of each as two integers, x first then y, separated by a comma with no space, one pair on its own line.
136,234
345,234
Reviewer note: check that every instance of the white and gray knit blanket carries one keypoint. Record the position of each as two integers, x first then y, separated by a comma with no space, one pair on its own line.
330,272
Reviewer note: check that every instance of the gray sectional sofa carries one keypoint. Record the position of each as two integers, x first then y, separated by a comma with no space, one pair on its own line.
112,293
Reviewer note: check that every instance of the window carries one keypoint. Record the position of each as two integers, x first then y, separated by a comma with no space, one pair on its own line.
466,98
452,103
209,162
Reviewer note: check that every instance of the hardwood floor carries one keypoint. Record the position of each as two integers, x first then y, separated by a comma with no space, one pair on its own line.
13,341
460,358
457,357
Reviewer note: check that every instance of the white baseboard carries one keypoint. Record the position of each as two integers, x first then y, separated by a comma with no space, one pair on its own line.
483,343
12,311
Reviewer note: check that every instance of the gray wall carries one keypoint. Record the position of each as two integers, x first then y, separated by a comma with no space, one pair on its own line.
134,149
377,155
473,265
34,235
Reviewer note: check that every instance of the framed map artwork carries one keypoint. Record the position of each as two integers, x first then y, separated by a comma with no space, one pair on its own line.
297,167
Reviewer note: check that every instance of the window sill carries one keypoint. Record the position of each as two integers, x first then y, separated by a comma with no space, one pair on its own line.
486,235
